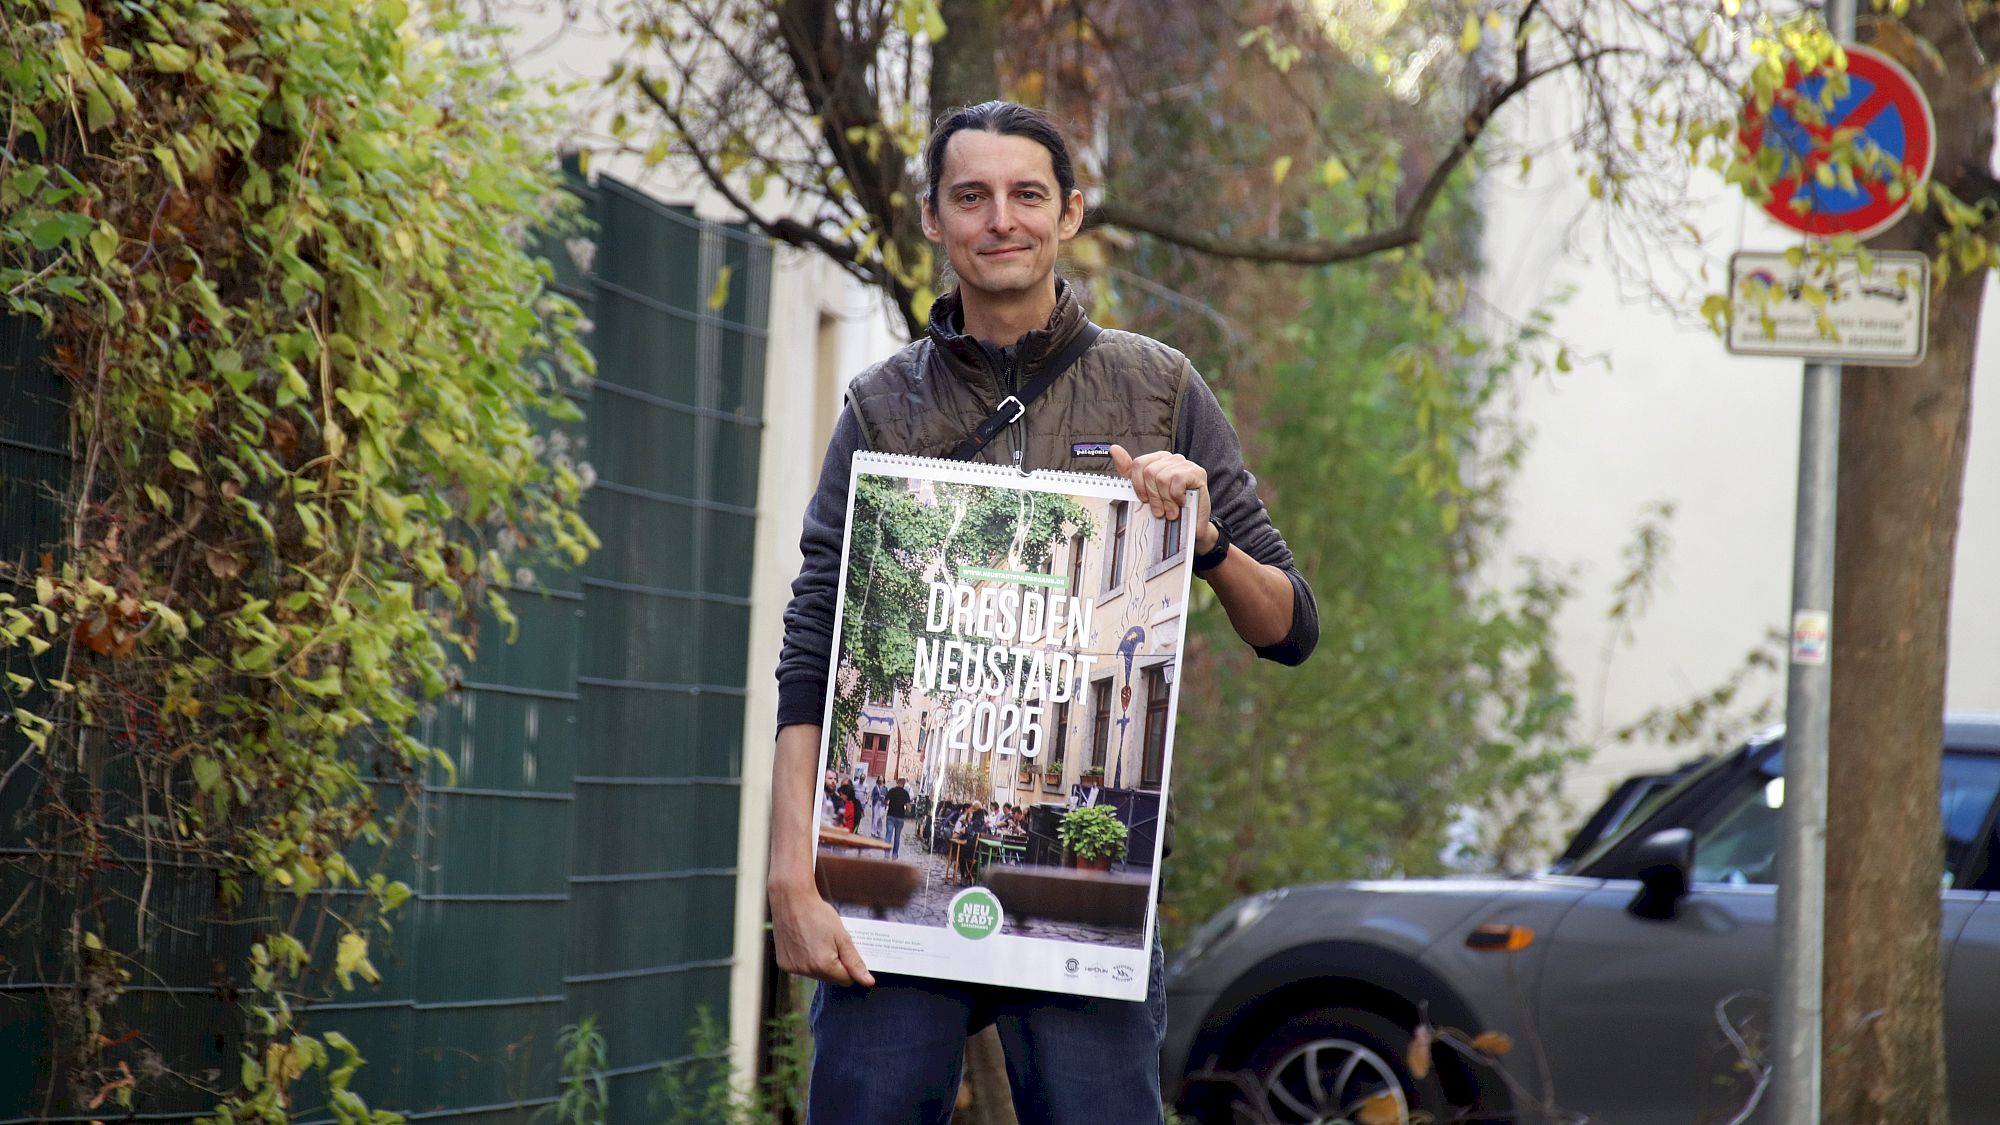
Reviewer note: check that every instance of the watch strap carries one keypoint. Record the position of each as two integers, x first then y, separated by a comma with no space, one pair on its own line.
1215,556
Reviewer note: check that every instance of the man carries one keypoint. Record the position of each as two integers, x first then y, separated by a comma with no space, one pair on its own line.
898,806
1001,200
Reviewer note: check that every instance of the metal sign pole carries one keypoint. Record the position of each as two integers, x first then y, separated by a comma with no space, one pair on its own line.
1802,843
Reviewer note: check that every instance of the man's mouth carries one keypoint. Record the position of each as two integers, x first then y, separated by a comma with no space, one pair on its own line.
1003,251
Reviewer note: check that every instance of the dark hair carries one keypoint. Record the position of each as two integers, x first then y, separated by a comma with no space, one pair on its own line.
1007,119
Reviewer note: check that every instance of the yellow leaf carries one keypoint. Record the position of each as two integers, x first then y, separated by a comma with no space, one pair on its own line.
1333,172
1468,39
1280,168
719,296
1494,1043
352,958
1380,1109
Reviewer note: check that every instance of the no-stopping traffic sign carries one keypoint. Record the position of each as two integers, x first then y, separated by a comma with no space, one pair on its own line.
1888,108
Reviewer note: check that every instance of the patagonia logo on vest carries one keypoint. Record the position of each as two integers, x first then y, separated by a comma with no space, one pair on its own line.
1090,449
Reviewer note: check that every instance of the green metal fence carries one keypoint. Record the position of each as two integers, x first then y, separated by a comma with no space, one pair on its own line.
583,861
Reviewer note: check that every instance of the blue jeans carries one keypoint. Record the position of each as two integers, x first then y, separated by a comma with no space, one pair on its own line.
896,837
893,1054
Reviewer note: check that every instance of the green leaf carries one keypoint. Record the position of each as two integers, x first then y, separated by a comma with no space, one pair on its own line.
180,460
207,772
172,58
58,229
104,243
97,112
326,686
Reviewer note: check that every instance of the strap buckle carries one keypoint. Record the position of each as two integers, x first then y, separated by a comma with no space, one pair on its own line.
1020,408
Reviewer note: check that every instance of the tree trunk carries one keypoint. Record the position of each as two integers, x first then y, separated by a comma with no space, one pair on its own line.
991,1100
1902,466
965,65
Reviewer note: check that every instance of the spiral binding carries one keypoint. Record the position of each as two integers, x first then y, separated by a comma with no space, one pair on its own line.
1003,473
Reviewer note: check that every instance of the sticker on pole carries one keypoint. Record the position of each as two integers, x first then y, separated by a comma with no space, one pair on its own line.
1812,636
1829,308
1882,111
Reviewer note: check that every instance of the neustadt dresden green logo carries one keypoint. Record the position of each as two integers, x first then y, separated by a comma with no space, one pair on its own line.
975,913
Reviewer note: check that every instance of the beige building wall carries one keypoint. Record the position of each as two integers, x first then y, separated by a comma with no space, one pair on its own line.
1658,410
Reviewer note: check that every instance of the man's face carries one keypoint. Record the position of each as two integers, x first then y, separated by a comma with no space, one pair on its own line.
999,214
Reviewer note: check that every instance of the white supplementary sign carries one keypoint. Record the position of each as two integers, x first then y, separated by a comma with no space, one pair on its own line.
1807,311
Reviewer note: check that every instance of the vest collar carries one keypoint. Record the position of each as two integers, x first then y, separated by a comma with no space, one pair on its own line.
973,363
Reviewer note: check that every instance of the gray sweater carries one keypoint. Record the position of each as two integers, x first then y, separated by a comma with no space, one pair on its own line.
1204,437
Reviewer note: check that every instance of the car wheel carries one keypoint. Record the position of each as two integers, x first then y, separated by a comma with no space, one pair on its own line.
1327,1064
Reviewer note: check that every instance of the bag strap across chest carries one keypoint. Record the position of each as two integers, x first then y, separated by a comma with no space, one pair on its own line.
1015,405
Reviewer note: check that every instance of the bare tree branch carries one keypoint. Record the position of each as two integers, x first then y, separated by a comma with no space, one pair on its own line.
784,229
1407,231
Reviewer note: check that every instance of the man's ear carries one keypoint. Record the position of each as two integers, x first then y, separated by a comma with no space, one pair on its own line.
1072,219
928,218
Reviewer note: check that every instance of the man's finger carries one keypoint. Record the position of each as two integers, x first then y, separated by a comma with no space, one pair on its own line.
851,963
1121,461
832,971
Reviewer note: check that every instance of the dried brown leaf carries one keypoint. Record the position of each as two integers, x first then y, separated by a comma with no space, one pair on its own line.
1494,1043
224,564
1419,1056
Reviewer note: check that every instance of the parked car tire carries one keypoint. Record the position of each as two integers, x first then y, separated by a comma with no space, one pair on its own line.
1322,1065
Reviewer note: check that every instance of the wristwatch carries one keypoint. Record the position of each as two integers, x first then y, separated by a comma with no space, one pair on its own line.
1215,556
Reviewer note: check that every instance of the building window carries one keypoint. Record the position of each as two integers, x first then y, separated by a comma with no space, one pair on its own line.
1076,565
1100,723
1114,556
1170,538
1156,729
1058,739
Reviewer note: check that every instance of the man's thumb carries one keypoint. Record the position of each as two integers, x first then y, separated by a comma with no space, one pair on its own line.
1121,461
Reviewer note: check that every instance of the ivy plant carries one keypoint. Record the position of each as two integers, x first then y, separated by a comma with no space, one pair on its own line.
276,254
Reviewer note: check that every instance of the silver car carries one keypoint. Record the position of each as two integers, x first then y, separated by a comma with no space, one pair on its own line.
1627,985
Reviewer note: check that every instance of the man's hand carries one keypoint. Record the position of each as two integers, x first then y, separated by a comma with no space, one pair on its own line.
1162,480
1257,597
812,940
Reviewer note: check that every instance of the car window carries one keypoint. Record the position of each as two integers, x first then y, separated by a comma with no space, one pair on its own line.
1639,818
1736,841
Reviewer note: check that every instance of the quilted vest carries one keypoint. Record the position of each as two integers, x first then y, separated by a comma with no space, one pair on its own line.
927,397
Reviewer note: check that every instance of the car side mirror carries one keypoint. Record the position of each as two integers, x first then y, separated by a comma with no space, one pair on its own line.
1663,861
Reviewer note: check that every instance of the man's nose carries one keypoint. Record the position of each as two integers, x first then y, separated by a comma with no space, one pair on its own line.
1003,219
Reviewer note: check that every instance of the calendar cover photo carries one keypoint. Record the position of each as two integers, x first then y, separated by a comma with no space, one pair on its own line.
998,739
